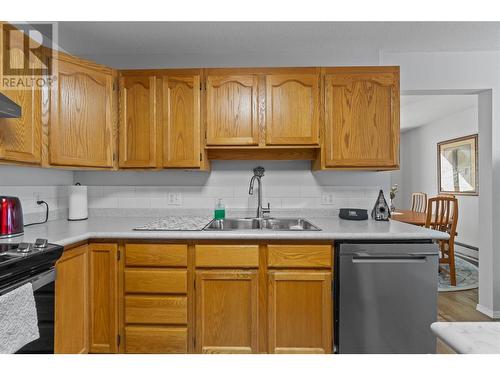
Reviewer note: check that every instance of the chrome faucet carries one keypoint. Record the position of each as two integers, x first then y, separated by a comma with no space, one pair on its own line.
257,175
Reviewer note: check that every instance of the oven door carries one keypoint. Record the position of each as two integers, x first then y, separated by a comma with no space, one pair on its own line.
43,287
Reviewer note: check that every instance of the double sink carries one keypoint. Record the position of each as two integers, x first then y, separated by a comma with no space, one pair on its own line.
276,224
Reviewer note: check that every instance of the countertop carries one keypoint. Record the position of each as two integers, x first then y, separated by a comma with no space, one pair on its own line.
65,232
469,337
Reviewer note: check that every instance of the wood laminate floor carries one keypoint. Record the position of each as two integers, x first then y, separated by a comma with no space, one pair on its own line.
458,307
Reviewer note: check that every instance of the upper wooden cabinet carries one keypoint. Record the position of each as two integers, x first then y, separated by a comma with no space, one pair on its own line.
82,130
292,109
181,120
20,138
231,109
138,121
361,123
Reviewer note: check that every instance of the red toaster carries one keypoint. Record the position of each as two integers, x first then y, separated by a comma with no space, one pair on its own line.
11,217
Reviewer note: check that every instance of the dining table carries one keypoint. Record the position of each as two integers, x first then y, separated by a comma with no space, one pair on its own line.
410,217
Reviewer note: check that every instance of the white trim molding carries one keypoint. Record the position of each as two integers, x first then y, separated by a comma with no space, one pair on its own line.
486,311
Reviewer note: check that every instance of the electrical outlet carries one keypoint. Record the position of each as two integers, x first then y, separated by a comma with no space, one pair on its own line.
174,199
327,198
36,196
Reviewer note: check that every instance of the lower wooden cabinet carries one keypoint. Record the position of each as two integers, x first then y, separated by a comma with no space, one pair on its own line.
155,340
71,334
300,312
227,311
103,293
178,298
155,290
155,309
86,313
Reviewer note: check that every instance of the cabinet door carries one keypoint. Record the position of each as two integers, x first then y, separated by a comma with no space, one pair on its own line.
226,311
72,309
362,118
232,117
292,109
300,312
181,121
138,143
20,138
81,124
103,267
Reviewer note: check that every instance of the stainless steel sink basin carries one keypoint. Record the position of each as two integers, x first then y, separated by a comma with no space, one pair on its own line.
285,224
289,224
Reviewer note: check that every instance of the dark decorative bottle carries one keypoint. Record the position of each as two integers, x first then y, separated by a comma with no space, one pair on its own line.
381,210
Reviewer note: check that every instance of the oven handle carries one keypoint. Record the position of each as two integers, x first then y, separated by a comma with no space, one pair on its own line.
37,281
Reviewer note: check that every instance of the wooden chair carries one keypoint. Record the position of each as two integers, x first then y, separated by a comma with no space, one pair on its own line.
442,215
449,195
418,202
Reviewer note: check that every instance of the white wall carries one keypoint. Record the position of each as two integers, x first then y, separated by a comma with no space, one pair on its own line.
286,185
456,71
32,184
418,171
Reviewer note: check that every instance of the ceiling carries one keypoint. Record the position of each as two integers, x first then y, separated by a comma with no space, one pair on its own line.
150,44
419,110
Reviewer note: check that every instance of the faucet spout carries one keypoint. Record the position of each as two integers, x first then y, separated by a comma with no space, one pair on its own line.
258,173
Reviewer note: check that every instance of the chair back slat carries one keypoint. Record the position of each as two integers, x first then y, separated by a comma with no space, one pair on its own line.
418,202
442,214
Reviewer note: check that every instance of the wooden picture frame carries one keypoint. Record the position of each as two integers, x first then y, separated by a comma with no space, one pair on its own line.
458,166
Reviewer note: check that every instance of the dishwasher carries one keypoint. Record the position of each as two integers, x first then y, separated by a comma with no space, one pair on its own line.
387,297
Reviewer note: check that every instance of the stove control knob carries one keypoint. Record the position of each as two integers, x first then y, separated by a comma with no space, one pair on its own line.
24,247
40,243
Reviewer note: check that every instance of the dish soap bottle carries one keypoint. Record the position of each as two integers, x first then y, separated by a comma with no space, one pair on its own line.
220,210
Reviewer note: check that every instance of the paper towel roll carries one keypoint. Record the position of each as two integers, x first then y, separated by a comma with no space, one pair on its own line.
78,209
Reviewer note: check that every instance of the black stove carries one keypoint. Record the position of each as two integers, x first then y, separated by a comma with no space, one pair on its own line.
25,260
33,263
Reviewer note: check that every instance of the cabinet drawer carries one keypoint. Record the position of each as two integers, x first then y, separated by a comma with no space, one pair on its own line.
227,256
156,255
155,310
147,280
299,256
155,340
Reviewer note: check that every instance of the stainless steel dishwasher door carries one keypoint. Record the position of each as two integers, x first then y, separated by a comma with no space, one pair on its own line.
388,296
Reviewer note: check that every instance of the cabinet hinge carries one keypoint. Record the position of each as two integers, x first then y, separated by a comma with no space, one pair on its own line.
118,340
114,85
201,157
118,255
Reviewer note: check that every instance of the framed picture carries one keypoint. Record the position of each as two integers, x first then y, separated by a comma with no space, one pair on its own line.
457,165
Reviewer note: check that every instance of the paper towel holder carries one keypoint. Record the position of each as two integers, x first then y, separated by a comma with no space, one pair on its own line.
71,216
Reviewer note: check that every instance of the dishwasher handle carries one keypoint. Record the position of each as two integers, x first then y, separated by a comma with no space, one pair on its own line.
388,258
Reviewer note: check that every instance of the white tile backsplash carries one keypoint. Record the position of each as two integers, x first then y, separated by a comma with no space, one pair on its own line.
55,196
286,185
235,197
